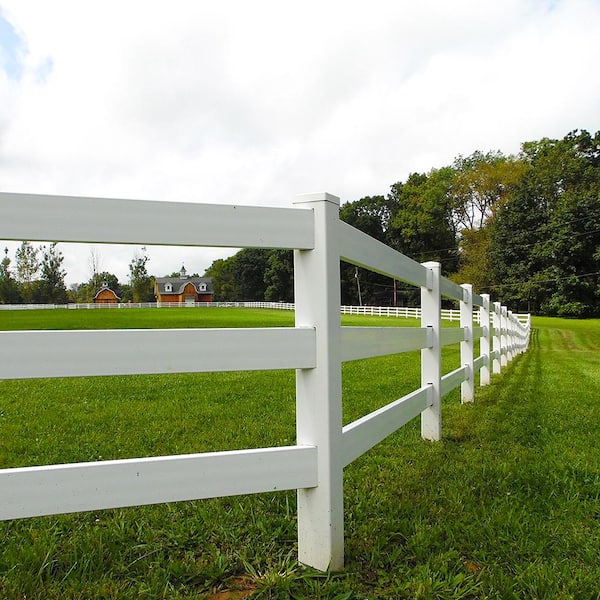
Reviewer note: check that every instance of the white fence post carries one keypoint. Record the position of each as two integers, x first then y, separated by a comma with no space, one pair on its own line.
497,362
503,336
467,391
510,335
484,340
431,358
319,390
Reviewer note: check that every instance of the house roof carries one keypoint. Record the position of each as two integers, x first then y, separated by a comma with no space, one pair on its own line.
178,284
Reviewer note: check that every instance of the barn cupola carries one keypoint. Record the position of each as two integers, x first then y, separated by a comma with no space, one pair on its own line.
183,273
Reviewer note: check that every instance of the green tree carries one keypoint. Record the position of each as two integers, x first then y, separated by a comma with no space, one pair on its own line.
481,182
422,225
371,215
514,261
142,284
253,274
126,292
27,266
223,279
9,289
51,288
249,267
279,276
545,240
474,259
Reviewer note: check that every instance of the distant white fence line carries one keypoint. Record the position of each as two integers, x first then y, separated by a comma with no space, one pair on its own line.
126,305
407,312
315,347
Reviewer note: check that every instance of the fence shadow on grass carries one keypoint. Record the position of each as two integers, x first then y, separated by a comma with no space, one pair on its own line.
496,507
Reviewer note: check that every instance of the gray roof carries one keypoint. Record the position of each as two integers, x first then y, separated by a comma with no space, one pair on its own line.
178,284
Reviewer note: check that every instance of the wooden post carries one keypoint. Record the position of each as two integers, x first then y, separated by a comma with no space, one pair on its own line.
319,390
467,391
431,359
484,340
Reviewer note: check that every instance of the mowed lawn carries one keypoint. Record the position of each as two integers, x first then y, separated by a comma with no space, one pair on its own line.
506,506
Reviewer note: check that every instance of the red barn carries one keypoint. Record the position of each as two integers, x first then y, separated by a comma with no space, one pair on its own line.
183,289
106,296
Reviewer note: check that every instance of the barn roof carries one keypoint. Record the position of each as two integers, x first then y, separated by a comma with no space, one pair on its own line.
178,284
105,288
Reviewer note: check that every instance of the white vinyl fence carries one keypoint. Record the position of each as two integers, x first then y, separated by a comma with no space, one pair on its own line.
316,347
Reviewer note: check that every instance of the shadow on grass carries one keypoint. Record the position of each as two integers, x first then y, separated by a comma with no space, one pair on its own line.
495,509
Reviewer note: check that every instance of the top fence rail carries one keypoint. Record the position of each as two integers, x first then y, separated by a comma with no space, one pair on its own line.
41,218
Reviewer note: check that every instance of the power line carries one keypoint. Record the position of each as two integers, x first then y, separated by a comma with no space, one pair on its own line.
536,281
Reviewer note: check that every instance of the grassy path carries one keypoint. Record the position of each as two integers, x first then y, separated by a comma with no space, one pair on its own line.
506,506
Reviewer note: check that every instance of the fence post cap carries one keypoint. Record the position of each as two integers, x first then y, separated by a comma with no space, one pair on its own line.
317,197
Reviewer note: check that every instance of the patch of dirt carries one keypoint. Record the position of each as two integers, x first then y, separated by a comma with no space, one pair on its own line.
241,587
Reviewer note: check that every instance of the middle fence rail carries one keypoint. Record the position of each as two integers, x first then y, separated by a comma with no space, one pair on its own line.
315,347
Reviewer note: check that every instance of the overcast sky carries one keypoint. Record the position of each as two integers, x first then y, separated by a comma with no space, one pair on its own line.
254,102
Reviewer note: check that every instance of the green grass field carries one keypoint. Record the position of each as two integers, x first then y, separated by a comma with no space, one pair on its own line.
506,506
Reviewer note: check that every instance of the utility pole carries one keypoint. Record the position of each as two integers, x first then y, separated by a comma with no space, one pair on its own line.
358,286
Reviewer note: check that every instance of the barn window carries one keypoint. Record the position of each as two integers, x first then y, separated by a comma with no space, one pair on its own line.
168,287
202,287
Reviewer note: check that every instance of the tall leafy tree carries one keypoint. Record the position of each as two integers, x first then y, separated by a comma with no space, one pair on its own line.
223,279
253,274
545,240
27,266
279,276
51,288
515,263
422,224
249,267
481,182
474,259
9,289
371,215
142,284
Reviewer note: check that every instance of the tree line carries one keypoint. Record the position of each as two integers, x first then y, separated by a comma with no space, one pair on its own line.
39,278
524,228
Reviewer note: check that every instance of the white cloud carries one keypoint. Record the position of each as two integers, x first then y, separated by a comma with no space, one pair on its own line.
255,102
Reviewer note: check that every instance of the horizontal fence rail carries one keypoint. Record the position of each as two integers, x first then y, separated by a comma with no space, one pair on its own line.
366,432
147,351
112,221
316,347
37,491
368,342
